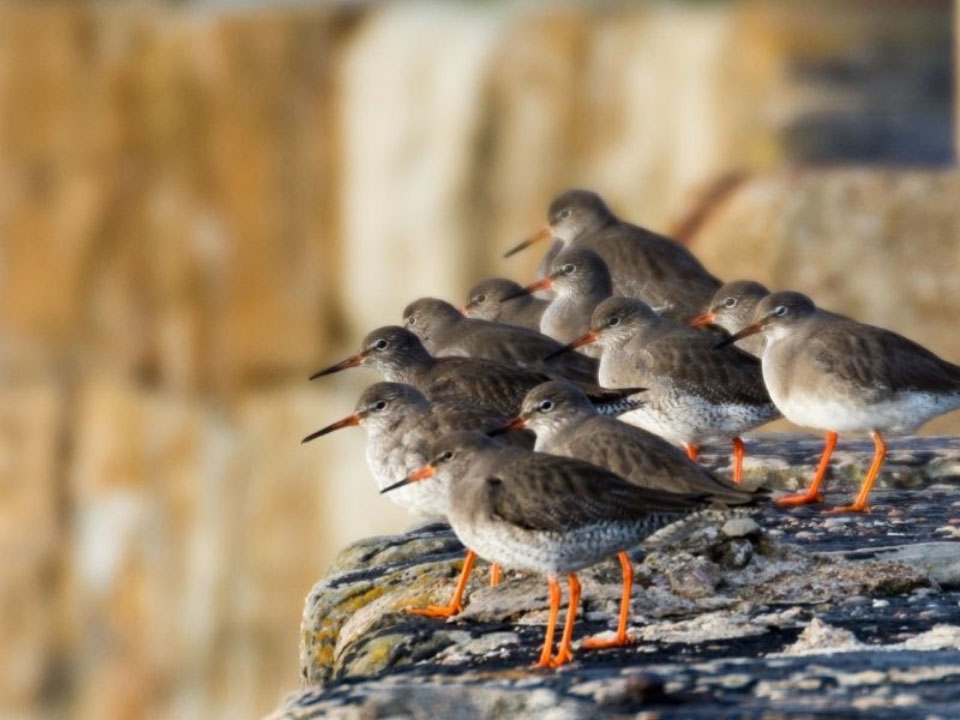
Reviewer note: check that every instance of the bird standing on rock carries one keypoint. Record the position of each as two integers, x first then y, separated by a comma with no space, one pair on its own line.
445,332
485,301
833,373
545,514
581,281
695,395
567,424
644,265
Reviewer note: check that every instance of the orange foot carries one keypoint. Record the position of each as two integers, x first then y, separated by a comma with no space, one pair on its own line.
562,657
542,664
798,499
854,508
618,640
437,611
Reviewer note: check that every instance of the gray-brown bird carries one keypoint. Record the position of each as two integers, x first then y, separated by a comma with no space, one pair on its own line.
832,373
545,514
446,332
485,301
695,394
567,424
643,264
580,281
487,385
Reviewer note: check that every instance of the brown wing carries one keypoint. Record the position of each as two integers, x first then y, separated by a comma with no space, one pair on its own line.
687,358
879,361
645,460
453,417
484,384
663,273
525,348
548,493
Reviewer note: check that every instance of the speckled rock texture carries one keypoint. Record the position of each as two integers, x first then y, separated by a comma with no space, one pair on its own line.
795,612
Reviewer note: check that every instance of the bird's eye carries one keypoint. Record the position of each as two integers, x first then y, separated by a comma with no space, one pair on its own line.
481,298
379,405
730,302
546,405
568,269
412,320
381,344
613,322
564,214
781,310
448,455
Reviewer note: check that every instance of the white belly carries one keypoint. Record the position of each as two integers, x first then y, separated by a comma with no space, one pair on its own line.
903,414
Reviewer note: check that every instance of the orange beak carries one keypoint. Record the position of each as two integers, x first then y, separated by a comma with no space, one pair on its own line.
585,339
350,362
349,421
543,284
427,471
518,423
543,233
745,332
707,318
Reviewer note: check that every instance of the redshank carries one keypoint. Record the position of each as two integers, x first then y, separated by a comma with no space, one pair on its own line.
695,395
401,425
643,264
567,424
486,384
833,373
545,514
485,302
581,281
732,309
445,332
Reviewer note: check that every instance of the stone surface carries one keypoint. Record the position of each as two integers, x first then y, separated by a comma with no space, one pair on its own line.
822,614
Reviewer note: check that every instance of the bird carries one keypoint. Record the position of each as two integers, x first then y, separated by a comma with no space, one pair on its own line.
446,332
401,425
581,281
545,514
695,394
399,356
485,302
567,424
835,374
643,264
732,308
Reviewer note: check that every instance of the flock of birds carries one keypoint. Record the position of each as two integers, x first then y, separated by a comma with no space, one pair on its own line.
548,431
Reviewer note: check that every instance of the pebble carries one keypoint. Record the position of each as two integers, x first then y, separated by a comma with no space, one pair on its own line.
881,603
740,527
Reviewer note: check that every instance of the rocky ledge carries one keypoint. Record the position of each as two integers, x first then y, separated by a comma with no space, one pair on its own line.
794,613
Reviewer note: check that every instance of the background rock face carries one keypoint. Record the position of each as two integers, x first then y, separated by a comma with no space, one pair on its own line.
199,206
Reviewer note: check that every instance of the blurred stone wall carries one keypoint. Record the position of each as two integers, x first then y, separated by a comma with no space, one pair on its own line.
198,207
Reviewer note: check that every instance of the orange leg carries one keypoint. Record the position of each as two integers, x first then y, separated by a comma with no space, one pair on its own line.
812,495
621,639
879,455
565,653
737,461
693,451
547,651
456,602
494,575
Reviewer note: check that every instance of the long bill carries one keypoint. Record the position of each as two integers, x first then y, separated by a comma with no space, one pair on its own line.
427,471
543,233
745,332
533,287
352,361
518,423
707,318
585,339
349,421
